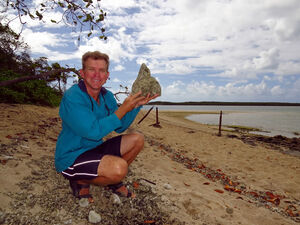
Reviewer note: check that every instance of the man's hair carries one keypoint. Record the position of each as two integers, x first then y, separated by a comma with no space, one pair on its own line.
95,55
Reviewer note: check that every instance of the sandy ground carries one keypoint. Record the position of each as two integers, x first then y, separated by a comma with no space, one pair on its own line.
201,178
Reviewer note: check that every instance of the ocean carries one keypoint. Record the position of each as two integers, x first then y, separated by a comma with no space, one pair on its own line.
272,120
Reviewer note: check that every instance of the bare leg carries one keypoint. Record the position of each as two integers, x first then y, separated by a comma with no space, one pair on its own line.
131,145
113,169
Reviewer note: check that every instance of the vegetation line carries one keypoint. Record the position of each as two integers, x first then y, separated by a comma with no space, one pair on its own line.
226,103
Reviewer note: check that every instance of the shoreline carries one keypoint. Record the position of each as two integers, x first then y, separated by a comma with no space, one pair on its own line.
251,130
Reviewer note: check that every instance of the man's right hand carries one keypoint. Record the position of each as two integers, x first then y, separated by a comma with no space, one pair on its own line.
129,104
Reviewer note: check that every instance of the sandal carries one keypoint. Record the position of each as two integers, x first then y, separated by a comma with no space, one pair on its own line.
77,188
121,190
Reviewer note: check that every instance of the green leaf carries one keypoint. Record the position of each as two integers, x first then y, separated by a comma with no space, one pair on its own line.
31,16
61,4
101,17
53,21
40,16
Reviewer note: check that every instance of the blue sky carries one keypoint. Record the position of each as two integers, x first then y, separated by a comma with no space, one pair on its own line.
199,50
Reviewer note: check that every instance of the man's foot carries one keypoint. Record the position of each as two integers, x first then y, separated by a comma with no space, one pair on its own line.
81,190
121,190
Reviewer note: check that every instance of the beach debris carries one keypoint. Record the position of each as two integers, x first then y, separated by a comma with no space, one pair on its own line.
94,217
167,186
145,83
186,184
149,221
116,199
274,202
219,191
229,210
145,115
277,142
135,185
84,202
151,182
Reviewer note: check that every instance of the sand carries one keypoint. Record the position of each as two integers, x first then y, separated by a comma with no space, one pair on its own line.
201,178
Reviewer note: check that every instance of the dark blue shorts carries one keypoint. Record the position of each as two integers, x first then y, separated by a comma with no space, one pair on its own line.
86,165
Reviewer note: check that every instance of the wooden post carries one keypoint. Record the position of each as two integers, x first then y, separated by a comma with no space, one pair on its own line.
157,116
220,124
156,124
146,115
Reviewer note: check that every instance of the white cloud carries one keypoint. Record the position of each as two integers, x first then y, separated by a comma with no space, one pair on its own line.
239,91
118,68
267,59
116,80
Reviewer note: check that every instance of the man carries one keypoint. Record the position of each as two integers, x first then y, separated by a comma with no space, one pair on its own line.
89,112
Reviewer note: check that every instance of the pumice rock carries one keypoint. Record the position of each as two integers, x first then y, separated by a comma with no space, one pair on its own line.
145,83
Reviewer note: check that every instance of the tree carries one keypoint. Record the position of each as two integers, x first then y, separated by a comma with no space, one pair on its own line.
14,56
80,14
85,15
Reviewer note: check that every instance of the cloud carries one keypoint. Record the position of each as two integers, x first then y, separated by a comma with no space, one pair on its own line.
267,59
118,68
239,91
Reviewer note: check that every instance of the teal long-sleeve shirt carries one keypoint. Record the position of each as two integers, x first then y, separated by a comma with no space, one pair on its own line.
85,123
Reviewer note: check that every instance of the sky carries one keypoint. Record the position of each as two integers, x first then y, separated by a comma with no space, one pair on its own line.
199,50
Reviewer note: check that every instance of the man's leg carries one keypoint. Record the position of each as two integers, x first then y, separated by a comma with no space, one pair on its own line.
113,169
131,145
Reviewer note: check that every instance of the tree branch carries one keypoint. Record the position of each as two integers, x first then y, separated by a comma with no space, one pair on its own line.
44,76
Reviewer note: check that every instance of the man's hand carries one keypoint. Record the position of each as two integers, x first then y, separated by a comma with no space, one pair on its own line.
147,99
133,101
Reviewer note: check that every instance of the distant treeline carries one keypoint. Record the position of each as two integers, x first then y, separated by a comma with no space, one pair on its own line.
226,103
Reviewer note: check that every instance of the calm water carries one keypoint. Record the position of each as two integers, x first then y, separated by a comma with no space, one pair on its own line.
275,120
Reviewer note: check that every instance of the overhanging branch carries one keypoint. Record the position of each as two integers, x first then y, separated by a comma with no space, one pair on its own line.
44,76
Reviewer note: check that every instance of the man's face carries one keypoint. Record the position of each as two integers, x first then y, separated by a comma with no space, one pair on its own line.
94,74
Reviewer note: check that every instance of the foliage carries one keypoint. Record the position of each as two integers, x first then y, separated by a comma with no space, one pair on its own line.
30,92
81,14
16,64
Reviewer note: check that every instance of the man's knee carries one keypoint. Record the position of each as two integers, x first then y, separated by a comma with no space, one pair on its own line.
114,168
139,140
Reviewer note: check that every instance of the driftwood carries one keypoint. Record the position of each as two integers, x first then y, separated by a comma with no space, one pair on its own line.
145,115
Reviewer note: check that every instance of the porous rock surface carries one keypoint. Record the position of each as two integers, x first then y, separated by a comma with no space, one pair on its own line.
145,83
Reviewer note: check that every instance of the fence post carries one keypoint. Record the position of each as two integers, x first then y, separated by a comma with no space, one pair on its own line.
220,124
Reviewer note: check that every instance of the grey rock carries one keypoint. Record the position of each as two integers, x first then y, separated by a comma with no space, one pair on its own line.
167,186
145,83
94,217
84,202
116,199
2,217
229,210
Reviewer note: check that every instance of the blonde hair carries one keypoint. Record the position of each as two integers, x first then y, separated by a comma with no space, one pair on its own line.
95,55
